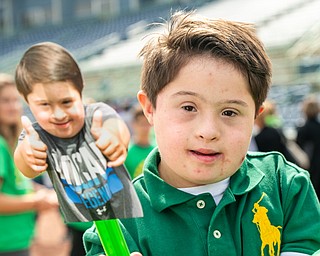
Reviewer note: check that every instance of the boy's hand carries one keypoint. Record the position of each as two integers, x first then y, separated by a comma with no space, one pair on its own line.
109,144
35,151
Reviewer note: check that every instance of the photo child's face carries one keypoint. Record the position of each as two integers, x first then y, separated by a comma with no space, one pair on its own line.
58,108
203,122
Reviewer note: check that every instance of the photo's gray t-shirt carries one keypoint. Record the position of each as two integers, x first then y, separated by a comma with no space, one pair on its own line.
87,189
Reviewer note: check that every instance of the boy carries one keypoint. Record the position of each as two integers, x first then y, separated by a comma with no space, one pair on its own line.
203,84
77,144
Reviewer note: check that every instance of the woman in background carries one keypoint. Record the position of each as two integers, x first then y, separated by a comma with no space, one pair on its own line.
19,201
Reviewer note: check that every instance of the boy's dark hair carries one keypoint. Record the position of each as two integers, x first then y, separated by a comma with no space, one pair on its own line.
47,62
190,36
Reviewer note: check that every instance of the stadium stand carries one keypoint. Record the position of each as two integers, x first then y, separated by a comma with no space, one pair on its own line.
85,38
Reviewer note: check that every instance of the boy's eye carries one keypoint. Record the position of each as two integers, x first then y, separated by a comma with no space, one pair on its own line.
66,102
189,108
228,113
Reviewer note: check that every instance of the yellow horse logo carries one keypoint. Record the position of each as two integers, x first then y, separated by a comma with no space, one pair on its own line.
269,234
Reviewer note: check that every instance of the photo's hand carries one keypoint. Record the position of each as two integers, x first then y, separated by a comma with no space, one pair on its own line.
35,151
108,143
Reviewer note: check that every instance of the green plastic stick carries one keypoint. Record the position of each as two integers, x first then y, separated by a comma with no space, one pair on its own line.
111,237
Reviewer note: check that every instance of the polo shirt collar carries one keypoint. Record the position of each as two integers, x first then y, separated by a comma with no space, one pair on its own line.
246,178
162,195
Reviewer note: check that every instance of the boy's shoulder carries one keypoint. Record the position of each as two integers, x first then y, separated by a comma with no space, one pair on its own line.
271,159
274,164
258,154
271,156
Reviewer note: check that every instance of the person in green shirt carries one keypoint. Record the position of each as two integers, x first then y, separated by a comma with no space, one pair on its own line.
203,83
141,143
19,201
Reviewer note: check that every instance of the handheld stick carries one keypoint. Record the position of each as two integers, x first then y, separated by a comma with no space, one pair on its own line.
111,237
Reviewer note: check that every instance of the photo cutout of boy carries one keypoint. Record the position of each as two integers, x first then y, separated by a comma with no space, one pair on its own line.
81,146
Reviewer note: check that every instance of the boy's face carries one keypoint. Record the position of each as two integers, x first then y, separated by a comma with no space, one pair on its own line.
203,122
58,108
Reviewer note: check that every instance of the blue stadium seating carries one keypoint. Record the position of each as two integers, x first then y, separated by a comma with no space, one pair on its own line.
80,35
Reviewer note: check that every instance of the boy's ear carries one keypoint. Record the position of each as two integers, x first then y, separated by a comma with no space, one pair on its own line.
146,106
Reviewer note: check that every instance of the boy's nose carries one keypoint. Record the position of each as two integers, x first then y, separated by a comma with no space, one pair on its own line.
208,129
59,114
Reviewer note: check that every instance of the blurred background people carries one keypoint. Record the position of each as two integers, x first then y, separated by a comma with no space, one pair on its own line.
271,117
268,136
141,141
308,138
19,199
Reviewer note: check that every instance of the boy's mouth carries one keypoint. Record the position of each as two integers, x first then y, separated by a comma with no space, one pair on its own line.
204,152
62,124
205,155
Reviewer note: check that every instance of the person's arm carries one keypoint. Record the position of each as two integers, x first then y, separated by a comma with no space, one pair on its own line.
39,200
30,155
112,138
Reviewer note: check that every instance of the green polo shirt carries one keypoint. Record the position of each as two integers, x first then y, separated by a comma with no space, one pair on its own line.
269,206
